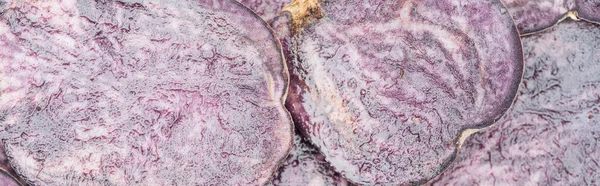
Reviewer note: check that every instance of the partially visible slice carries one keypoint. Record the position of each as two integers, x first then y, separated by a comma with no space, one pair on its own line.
589,9
306,166
153,92
551,136
384,88
535,15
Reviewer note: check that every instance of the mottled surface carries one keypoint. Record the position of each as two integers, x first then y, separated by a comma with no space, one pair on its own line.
266,9
551,135
7,174
139,93
384,88
535,15
589,9
306,166
7,180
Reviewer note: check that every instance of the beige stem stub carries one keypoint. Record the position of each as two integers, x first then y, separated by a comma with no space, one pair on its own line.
464,135
303,12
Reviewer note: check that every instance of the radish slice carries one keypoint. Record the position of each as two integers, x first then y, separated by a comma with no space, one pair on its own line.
384,88
551,134
148,93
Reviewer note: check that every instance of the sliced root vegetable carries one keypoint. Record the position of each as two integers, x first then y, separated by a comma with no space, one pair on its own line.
150,93
306,166
551,134
384,88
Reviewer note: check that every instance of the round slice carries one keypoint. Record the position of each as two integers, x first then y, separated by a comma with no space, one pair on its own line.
551,135
141,93
306,166
384,88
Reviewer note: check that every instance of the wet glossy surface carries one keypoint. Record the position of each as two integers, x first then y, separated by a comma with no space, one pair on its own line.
551,135
139,93
174,92
384,88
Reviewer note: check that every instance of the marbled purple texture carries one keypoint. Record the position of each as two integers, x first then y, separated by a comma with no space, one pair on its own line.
551,135
384,88
138,93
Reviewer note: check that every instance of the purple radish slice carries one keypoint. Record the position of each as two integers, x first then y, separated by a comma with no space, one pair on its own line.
138,93
551,135
384,88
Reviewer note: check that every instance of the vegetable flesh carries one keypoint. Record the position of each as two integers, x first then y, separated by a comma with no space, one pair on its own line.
384,88
551,134
138,93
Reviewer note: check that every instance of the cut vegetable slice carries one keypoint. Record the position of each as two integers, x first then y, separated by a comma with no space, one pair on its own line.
551,135
384,88
141,93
